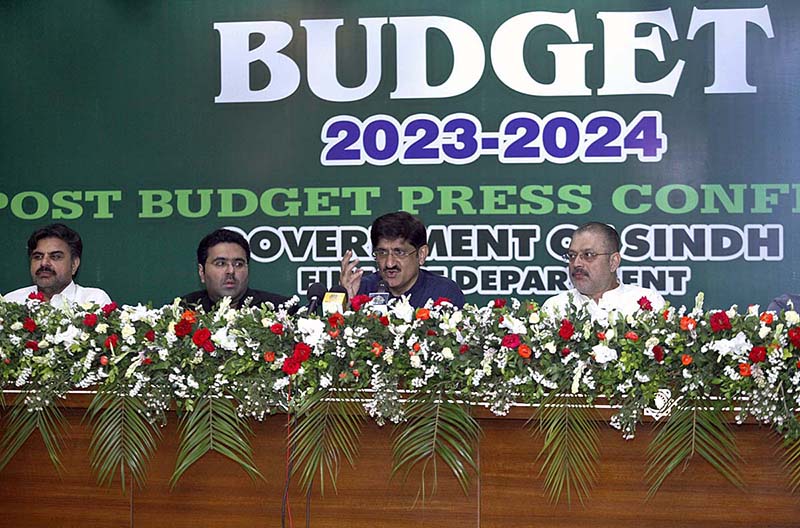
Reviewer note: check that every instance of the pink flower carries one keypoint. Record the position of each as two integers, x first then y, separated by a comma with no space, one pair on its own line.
511,341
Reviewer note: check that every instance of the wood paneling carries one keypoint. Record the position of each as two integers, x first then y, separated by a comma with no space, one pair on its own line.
217,493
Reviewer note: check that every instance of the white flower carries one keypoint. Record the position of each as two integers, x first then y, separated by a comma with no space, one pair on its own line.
610,333
68,337
127,331
792,317
739,345
447,353
534,318
312,329
16,326
514,325
550,347
416,361
764,331
102,328
266,322
223,339
604,354
43,343
403,310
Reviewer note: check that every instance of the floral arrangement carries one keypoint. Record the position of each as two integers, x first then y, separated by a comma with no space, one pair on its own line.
420,369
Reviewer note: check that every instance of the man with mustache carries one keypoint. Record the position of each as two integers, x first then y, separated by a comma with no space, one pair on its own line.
594,257
223,257
400,247
55,254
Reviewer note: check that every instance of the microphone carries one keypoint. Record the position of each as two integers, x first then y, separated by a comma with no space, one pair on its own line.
335,300
380,297
315,293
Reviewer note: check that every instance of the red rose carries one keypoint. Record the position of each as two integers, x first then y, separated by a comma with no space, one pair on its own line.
566,330
90,320
111,341
335,320
442,300
33,345
201,336
358,301
150,335
658,353
29,324
511,341
384,320
7,361
104,360
183,328
719,321
758,354
36,296
794,336
645,304
431,332
302,352
463,349
110,307
499,303
276,329
208,346
565,351
633,336
291,365
147,361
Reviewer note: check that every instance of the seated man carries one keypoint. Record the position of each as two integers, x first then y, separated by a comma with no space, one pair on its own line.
400,247
787,301
55,254
222,263
593,259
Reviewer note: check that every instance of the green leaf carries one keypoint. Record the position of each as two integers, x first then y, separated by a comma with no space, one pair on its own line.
21,423
570,450
436,429
122,439
695,427
213,425
325,429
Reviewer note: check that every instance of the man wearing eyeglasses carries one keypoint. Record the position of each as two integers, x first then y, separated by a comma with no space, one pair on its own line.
593,258
223,257
400,247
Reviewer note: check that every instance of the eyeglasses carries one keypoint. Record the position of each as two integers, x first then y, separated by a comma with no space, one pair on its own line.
586,256
222,263
395,252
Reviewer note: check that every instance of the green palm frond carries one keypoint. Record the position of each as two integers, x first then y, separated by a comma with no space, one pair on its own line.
570,450
213,425
436,429
122,439
694,428
22,422
325,429
791,462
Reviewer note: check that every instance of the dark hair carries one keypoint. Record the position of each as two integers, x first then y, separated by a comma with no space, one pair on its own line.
71,237
218,237
608,233
399,225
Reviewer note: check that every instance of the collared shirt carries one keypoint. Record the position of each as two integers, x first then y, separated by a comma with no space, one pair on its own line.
623,299
429,285
72,294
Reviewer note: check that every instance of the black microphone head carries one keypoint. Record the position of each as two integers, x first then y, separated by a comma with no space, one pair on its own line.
339,289
382,286
316,291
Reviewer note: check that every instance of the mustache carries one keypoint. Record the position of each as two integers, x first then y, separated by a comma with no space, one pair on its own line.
393,268
44,269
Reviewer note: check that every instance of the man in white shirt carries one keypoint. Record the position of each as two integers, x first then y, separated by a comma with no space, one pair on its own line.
594,257
55,254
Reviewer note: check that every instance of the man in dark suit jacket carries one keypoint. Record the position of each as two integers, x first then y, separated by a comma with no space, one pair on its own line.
222,263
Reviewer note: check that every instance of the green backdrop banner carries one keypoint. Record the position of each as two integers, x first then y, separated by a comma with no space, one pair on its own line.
145,125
